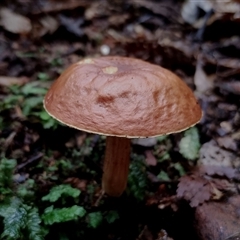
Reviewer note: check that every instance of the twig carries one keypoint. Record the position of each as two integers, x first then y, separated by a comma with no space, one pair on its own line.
99,198
22,165
233,236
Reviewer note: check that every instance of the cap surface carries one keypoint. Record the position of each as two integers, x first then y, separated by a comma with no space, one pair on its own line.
122,96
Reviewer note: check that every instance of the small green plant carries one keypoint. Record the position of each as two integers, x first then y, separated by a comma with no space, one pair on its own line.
189,145
179,168
163,176
65,166
94,219
26,190
20,221
111,216
56,62
61,192
53,215
25,217
43,76
137,178
7,167
29,98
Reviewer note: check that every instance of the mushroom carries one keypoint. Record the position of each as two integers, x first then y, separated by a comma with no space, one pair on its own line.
121,98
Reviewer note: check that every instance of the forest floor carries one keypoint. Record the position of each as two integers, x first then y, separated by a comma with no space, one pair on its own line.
181,186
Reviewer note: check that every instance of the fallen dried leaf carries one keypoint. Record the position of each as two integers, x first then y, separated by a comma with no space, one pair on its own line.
203,185
77,183
203,82
145,234
150,159
230,87
9,139
162,235
225,186
118,19
166,9
227,7
221,171
194,189
211,154
49,23
47,6
216,194
72,25
14,23
9,81
227,126
190,10
227,142
97,9
80,138
168,202
236,135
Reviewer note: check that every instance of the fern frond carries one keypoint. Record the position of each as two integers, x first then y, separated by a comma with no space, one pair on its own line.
63,190
15,218
33,224
58,215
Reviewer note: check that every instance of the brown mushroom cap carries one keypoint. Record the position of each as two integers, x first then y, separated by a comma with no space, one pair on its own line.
120,96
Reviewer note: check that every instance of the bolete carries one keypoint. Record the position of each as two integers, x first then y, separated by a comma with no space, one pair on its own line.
121,98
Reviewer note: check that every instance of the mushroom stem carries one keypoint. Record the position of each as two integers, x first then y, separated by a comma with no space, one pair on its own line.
116,165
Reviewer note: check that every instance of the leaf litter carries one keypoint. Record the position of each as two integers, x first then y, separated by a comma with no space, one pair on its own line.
206,59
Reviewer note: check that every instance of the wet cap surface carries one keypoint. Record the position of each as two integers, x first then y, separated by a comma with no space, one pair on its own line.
122,96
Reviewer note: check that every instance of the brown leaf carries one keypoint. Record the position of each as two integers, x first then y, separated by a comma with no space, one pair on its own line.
211,154
80,138
216,194
9,139
165,8
221,171
77,183
224,185
14,23
203,184
118,19
194,189
236,135
9,81
150,159
203,82
50,23
47,6
231,87
145,234
96,10
46,24
227,7
168,201
227,142
162,235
